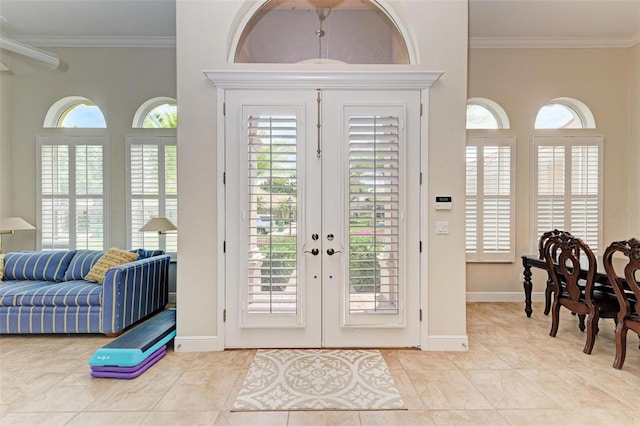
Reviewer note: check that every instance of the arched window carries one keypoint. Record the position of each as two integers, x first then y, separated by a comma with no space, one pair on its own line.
157,113
74,112
565,113
484,113
152,178
321,31
490,188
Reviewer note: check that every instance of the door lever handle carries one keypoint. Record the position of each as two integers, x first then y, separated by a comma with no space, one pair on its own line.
331,251
313,251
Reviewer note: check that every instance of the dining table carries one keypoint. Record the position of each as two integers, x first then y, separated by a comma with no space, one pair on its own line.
533,261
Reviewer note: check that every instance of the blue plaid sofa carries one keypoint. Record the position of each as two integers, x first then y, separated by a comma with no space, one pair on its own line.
45,292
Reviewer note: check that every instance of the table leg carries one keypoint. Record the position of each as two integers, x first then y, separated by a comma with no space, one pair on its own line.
527,288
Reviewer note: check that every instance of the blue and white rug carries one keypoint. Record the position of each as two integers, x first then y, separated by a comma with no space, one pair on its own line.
318,379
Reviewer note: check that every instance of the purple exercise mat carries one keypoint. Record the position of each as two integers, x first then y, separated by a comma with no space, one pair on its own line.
129,372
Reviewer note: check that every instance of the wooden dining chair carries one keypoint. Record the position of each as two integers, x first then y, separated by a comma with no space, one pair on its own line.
548,291
569,257
628,295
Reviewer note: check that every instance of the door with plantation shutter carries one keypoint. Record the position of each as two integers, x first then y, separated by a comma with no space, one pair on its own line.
322,195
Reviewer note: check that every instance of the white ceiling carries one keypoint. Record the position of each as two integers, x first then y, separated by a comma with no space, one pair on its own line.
501,23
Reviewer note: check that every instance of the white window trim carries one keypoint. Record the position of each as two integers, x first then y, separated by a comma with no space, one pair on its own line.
567,141
160,141
487,257
72,141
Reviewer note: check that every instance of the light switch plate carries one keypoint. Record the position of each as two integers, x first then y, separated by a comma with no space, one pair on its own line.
442,228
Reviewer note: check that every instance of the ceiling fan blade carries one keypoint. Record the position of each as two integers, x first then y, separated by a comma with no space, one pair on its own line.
48,58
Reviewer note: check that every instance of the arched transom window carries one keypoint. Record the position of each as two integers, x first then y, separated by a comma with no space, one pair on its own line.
321,31
484,113
565,113
157,113
74,112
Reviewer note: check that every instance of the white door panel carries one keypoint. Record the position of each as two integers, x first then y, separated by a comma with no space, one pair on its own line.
268,290
371,198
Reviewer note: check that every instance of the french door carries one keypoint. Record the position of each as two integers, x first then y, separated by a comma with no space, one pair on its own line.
322,218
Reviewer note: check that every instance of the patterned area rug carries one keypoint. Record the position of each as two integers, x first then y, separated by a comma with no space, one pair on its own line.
317,379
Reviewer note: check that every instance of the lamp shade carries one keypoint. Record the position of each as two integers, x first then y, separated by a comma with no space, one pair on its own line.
159,225
10,224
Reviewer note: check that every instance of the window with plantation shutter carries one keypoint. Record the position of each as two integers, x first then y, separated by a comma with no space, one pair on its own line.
72,192
152,189
490,199
568,187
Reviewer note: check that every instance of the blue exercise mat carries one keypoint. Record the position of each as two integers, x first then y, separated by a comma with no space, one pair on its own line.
134,346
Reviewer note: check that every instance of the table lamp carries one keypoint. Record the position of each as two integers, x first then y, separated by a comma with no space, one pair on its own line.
161,225
9,225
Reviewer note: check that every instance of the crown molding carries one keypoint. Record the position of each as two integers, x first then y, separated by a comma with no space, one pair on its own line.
96,41
474,42
550,43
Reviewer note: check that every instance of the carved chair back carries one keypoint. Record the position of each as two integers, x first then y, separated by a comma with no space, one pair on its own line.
631,250
565,256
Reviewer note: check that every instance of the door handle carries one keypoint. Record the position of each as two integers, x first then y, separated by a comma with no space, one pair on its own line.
331,252
313,251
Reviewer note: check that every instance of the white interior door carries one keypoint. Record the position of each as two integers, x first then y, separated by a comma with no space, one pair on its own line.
322,208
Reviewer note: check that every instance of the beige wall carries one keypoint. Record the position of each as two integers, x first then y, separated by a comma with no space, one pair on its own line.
203,33
118,80
5,145
522,81
634,138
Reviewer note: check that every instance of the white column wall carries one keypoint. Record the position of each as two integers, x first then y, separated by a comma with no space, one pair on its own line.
204,31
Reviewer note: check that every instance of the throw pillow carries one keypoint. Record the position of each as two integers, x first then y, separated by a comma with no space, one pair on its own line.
82,263
37,265
1,266
113,257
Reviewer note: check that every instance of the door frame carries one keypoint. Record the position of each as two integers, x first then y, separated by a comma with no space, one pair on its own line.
397,77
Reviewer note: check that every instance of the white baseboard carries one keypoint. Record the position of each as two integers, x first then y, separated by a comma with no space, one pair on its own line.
197,344
502,296
172,297
458,343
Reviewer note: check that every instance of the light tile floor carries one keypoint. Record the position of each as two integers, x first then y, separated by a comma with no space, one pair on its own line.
513,374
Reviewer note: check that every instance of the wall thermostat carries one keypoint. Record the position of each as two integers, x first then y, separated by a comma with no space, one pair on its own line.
444,203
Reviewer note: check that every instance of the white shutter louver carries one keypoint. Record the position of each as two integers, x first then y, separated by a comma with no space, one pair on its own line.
152,189
490,199
471,202
374,197
272,192
569,187
72,191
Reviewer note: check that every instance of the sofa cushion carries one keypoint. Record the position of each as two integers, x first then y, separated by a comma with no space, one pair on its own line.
113,257
48,293
37,265
82,263
1,266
